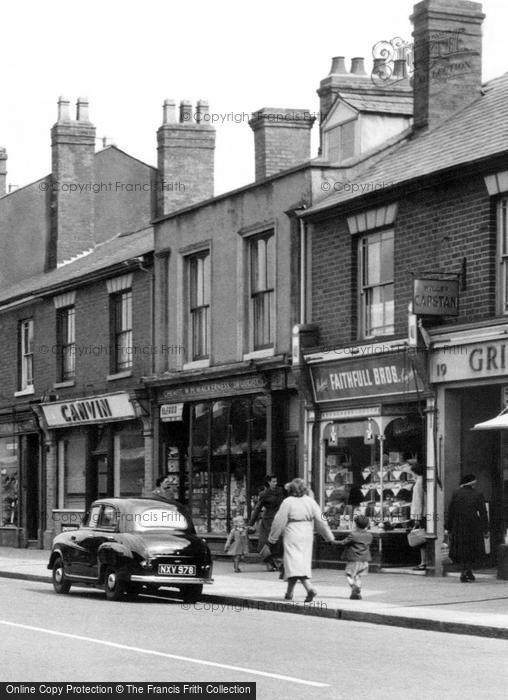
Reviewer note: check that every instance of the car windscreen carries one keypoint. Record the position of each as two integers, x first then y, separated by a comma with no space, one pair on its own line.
158,518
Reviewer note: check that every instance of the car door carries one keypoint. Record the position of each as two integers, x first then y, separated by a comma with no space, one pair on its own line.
79,544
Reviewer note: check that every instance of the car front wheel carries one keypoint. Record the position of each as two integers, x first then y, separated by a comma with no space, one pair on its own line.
114,587
60,582
191,594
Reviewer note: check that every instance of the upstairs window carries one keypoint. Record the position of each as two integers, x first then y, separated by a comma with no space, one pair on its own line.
502,229
376,292
199,305
26,354
262,290
121,330
66,343
340,141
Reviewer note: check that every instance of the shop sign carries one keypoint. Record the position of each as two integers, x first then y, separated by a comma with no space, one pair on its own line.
220,387
434,297
93,409
386,375
171,412
478,361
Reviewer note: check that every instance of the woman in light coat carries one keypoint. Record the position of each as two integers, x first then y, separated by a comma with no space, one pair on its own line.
294,522
417,514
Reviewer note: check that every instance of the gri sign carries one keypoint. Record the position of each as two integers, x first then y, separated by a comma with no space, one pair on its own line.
477,361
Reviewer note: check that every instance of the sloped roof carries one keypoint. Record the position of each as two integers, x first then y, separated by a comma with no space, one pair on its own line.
125,246
387,104
478,131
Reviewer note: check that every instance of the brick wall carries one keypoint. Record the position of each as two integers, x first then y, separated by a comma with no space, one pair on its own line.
434,230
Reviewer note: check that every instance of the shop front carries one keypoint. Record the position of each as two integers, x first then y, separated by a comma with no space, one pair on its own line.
95,447
218,438
369,421
20,496
469,370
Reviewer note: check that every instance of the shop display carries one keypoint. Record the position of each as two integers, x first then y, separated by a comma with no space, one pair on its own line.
355,484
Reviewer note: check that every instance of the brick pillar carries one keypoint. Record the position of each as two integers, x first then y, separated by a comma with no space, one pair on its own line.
149,454
50,446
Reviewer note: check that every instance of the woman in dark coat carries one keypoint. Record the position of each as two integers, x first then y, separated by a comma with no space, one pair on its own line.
468,524
266,507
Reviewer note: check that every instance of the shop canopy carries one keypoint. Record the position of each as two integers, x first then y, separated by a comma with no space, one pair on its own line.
500,422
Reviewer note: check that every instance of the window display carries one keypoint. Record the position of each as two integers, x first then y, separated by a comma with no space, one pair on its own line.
9,482
355,483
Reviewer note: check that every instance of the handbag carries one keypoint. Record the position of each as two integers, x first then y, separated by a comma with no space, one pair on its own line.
265,552
416,537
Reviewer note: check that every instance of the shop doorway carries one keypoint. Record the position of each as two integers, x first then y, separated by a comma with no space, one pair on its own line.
477,452
32,509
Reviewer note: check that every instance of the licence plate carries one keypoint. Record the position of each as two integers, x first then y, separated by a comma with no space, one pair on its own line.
177,570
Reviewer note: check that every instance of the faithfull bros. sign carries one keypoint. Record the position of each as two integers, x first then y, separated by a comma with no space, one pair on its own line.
93,409
363,378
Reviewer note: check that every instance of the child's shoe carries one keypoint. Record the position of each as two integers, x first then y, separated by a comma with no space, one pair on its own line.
355,593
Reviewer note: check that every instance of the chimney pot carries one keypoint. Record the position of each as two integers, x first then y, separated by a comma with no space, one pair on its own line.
399,68
357,67
186,112
82,109
202,109
3,170
338,66
64,114
169,112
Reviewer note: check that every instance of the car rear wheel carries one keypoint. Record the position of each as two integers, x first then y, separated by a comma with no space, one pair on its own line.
191,594
114,587
60,582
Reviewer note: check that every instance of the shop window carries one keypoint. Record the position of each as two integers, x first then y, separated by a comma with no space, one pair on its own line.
26,354
262,290
502,228
130,462
353,481
199,305
376,291
66,343
228,460
121,330
9,484
200,465
72,452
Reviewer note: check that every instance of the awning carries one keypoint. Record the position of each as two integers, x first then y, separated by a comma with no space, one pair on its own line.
500,422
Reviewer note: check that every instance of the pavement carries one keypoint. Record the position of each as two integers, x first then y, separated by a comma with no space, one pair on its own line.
402,599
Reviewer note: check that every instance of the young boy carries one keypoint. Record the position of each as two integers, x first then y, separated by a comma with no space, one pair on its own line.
357,554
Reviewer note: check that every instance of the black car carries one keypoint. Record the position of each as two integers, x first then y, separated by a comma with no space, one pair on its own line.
128,545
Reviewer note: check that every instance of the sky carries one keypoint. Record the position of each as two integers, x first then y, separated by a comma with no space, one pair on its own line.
128,56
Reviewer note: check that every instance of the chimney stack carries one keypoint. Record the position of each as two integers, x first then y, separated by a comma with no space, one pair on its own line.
72,160
3,171
281,139
447,58
185,156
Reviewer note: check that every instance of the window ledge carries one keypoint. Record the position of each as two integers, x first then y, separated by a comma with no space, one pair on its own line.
62,385
119,375
257,354
197,364
25,392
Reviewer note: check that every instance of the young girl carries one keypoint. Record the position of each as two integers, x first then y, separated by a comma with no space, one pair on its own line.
237,542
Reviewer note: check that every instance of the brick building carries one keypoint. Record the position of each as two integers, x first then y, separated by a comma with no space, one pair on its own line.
432,226
76,305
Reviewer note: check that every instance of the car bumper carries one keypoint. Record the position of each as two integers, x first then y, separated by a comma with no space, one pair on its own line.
170,580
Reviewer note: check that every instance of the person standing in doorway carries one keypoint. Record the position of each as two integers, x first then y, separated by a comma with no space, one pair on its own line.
468,525
417,514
